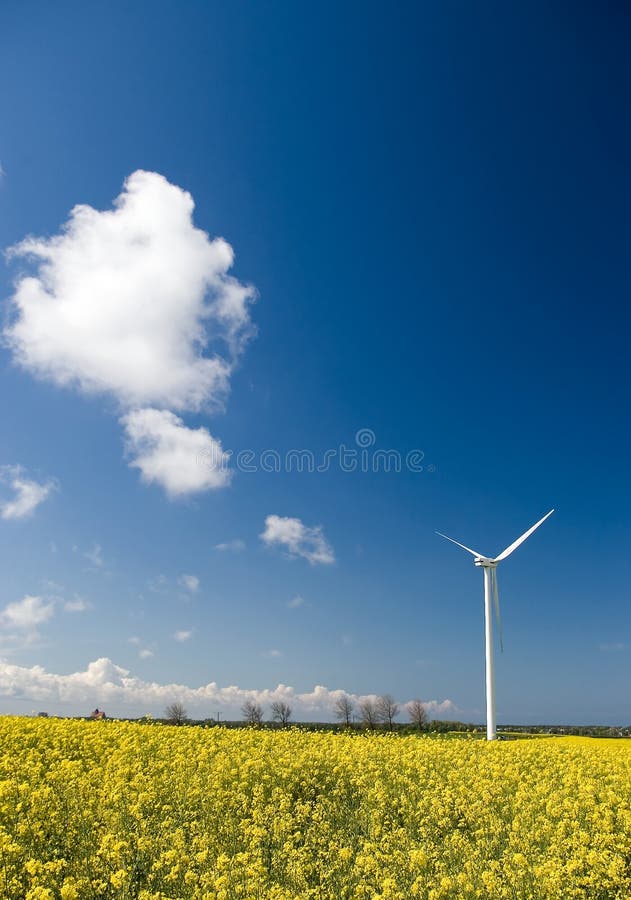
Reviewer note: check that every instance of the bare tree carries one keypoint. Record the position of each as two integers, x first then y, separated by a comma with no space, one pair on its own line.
176,714
368,713
281,712
387,709
343,709
418,714
252,712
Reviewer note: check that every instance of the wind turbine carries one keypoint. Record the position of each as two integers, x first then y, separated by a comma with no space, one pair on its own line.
490,588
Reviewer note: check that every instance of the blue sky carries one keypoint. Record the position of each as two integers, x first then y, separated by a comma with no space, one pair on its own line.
428,209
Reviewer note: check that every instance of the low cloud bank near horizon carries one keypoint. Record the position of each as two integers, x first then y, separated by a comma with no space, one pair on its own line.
115,689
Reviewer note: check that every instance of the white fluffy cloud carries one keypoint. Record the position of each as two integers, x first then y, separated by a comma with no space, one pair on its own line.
20,621
105,683
27,613
132,302
182,460
136,303
298,539
27,493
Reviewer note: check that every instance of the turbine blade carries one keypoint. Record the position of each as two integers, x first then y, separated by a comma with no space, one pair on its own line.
521,539
496,601
468,549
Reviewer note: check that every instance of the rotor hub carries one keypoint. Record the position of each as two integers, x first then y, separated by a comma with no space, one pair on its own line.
485,563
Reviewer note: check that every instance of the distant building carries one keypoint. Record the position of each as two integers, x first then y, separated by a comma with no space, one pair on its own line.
98,714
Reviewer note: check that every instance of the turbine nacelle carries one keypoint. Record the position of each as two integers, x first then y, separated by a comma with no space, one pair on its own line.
485,562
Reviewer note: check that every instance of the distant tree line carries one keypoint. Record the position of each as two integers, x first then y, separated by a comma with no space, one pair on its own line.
370,713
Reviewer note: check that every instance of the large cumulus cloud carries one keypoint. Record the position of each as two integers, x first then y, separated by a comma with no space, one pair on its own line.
135,303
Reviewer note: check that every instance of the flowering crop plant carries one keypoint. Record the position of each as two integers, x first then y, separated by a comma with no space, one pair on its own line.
113,809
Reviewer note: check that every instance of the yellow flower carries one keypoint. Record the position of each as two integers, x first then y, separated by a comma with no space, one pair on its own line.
118,879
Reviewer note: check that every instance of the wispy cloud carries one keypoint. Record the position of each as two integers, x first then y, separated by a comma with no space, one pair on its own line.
295,602
159,584
143,652
76,605
28,494
53,586
190,582
183,636
298,539
615,647
235,546
272,654
95,556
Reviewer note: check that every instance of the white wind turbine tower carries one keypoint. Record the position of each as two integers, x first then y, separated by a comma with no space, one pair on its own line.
490,588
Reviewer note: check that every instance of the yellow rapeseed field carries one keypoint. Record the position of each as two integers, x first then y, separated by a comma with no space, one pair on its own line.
107,809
